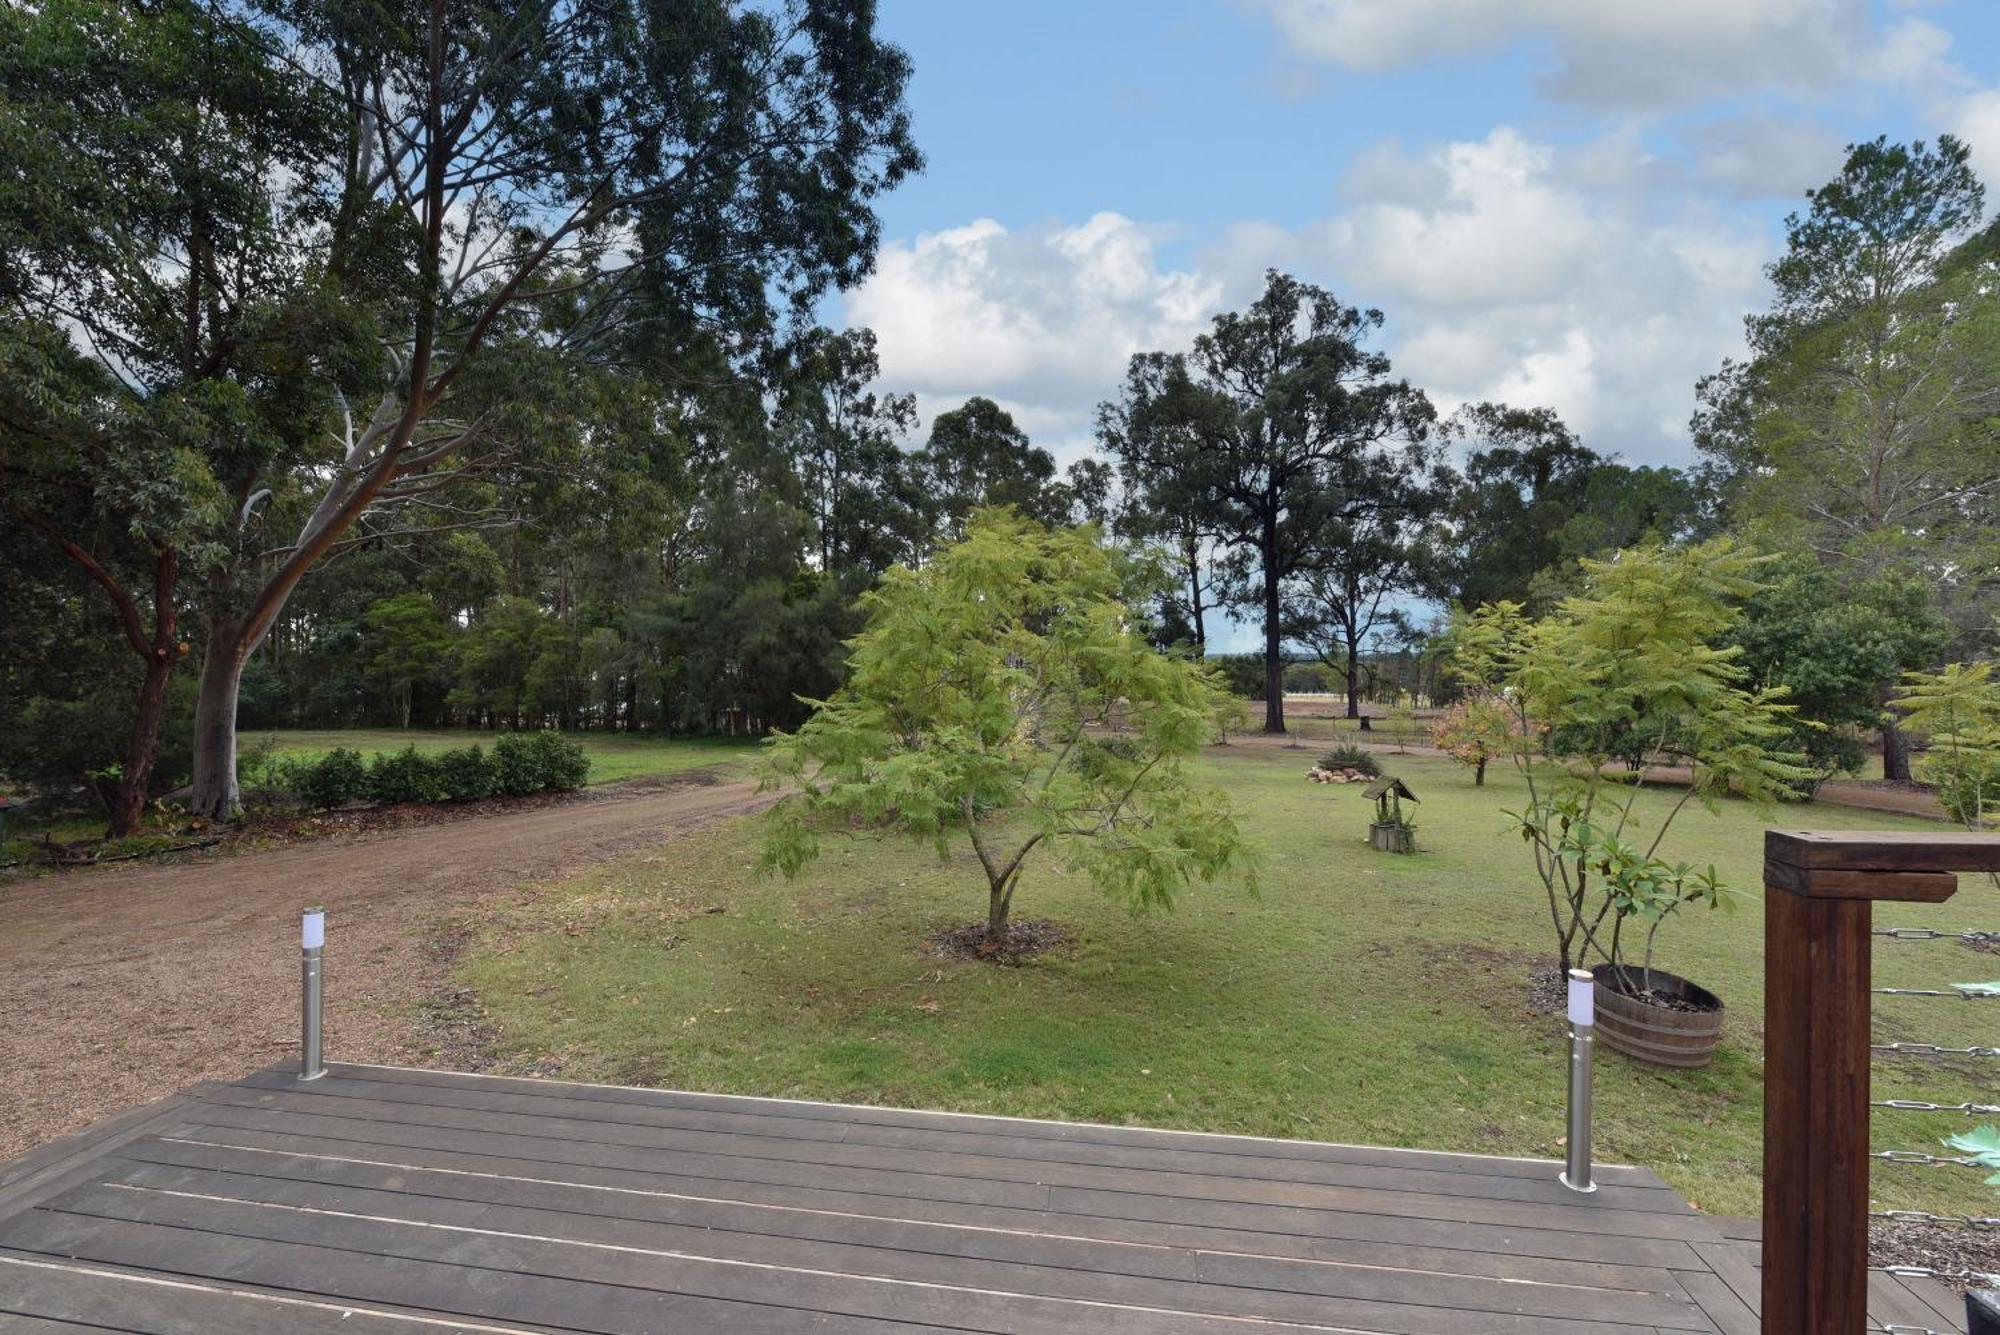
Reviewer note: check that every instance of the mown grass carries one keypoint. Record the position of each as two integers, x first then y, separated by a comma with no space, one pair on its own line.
1363,997
613,755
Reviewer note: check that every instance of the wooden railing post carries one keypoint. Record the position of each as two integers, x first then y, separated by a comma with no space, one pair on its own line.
1818,918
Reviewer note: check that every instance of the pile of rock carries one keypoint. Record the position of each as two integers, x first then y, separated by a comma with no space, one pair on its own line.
1319,775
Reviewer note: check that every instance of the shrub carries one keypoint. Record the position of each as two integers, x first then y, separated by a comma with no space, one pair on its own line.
535,762
1630,668
258,764
69,750
333,780
564,765
466,773
1351,757
515,770
405,776
1968,793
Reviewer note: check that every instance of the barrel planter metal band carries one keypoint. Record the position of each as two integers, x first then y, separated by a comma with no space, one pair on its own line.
1659,1034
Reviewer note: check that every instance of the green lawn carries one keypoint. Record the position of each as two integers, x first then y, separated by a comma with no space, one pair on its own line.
1363,997
613,755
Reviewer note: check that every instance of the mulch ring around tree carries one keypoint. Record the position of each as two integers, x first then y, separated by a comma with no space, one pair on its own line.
1548,990
1026,938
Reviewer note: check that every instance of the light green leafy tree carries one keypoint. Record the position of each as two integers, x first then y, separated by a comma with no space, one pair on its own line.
1625,676
1958,709
1003,694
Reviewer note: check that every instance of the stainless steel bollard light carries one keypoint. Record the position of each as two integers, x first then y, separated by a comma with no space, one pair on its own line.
312,942
1582,1038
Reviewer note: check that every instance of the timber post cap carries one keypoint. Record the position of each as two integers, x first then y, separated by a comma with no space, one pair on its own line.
1883,850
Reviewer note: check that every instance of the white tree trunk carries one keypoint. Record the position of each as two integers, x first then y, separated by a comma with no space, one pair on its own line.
216,796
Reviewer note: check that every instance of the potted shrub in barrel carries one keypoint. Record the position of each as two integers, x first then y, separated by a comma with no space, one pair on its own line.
1623,680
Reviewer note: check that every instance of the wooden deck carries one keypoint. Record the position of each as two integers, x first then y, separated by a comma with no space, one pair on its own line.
407,1202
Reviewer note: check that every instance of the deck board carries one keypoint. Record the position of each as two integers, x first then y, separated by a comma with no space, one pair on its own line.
382,1199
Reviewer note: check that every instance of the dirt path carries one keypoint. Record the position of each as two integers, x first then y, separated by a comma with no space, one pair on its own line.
121,984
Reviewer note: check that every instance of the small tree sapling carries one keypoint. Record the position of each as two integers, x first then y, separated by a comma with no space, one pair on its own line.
1473,731
1003,694
1625,675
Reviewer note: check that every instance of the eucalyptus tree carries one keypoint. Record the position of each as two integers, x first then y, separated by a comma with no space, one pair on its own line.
977,457
1251,424
844,442
1532,501
1090,486
1168,508
154,314
389,238
1371,550
1864,426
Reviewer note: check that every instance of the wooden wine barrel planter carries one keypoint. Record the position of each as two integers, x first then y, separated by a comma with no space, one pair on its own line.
1392,838
1659,1034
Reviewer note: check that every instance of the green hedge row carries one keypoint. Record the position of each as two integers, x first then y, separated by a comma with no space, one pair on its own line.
520,762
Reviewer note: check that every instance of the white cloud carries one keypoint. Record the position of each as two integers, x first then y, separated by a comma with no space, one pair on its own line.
1522,277
1975,118
1042,320
1754,157
1490,234
1915,52
1610,54
1504,269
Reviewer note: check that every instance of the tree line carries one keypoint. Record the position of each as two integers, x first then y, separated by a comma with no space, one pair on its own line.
404,364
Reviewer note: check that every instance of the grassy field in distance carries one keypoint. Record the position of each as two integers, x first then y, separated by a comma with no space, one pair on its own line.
613,755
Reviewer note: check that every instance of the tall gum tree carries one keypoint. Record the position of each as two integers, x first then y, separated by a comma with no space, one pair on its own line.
151,304
1369,548
471,196
1267,412
1865,424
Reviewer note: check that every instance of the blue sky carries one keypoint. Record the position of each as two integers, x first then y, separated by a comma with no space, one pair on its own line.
1555,202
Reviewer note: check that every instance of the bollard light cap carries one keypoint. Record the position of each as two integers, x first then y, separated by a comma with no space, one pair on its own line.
312,932
1582,997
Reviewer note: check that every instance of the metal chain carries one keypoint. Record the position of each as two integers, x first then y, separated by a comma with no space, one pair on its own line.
1926,1160
1933,1050
1932,934
1925,1272
1978,1223
1919,1105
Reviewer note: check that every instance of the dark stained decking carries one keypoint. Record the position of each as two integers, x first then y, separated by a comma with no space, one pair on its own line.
401,1202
